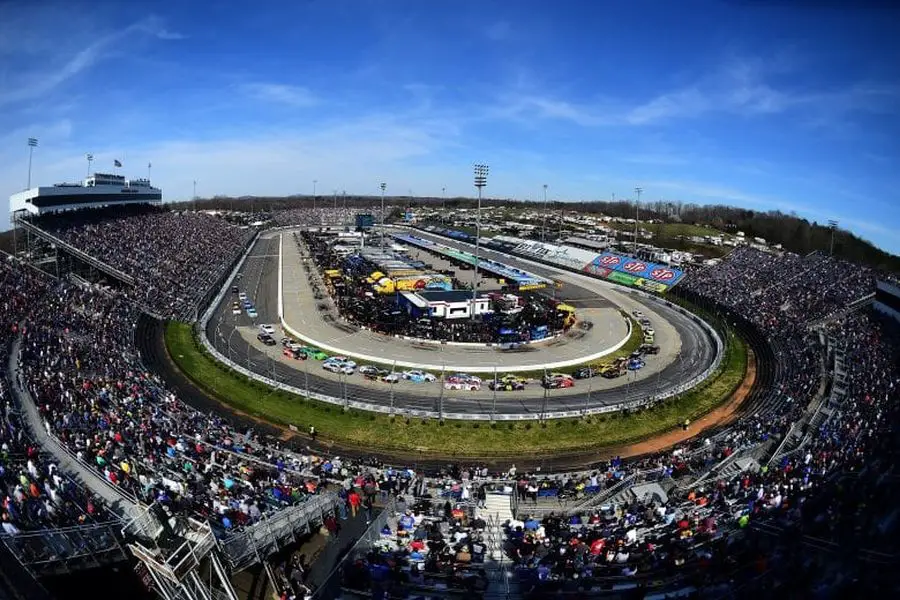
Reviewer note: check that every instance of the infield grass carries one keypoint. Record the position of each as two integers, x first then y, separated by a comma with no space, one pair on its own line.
452,438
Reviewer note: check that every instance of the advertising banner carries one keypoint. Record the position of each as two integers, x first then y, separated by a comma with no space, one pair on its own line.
597,270
621,278
665,275
653,286
608,260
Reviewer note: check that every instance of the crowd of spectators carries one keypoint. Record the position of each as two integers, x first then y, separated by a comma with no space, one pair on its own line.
174,257
34,492
325,213
81,367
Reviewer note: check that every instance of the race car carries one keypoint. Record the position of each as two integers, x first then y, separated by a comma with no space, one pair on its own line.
242,296
636,354
507,383
267,329
343,359
557,381
314,353
635,364
292,353
472,385
649,331
235,308
370,372
586,372
462,377
649,349
251,312
391,378
337,367
418,376
266,339
638,314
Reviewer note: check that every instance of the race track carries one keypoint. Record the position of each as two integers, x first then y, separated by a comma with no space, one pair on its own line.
234,337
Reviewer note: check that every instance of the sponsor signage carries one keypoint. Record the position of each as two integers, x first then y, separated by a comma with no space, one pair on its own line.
624,278
597,270
532,286
610,261
653,286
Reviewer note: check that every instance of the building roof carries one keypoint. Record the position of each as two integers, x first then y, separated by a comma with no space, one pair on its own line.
446,296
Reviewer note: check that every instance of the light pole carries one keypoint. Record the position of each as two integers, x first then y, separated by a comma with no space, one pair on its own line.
544,221
443,203
832,224
335,199
481,173
32,144
344,194
637,208
149,170
194,198
90,159
383,186
315,181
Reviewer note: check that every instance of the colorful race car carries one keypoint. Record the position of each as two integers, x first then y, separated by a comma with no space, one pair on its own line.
635,364
418,376
557,381
292,353
508,383
338,367
391,378
472,385
314,353
251,312
649,349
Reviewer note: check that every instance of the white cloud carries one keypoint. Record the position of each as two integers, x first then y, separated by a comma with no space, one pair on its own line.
291,95
35,85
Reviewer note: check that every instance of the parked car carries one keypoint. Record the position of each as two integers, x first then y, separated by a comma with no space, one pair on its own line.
267,329
266,339
508,383
418,376
558,381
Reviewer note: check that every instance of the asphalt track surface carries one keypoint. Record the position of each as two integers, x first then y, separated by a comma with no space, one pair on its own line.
259,278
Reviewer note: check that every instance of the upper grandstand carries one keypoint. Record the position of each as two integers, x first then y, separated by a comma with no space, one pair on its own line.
173,257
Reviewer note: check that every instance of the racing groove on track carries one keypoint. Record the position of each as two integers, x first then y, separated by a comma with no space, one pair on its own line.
260,280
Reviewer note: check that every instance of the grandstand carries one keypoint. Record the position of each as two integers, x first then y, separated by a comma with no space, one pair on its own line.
101,455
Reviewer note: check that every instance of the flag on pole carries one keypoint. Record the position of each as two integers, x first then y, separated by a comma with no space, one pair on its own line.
117,163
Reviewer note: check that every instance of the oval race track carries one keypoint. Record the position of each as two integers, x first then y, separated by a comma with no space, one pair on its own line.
259,278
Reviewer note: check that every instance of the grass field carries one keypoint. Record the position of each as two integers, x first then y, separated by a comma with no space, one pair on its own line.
452,438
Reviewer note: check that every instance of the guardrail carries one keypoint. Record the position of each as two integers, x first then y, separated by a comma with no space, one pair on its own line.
348,403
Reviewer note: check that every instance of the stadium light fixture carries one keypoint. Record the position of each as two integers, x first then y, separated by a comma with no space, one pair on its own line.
544,221
383,186
32,144
637,213
481,173
832,224
90,159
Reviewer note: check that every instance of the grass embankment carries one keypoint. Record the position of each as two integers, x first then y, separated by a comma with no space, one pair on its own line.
367,430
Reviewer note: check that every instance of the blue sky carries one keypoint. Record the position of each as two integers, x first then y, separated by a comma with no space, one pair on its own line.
757,103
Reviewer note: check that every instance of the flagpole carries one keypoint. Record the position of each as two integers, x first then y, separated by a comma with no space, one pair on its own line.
149,165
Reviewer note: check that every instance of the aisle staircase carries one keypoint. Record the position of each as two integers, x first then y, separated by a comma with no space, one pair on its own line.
496,513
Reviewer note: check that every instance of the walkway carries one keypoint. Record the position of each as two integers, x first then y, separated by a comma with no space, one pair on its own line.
120,503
